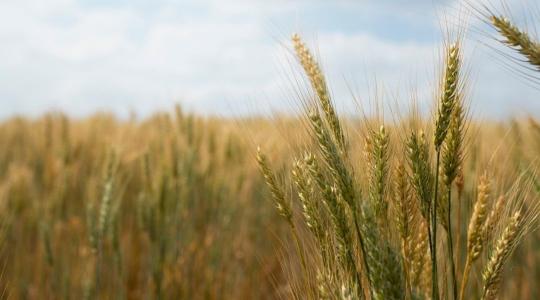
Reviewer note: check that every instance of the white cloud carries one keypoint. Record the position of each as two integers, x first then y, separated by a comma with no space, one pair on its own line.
63,54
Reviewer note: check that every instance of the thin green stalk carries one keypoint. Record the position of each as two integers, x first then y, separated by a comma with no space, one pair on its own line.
430,236
459,184
299,249
358,277
364,258
450,244
434,278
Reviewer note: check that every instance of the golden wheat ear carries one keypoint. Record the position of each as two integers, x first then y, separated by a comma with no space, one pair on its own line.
283,206
503,248
513,217
318,83
518,39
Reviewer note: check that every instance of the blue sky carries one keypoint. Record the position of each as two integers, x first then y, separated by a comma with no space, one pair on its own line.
230,57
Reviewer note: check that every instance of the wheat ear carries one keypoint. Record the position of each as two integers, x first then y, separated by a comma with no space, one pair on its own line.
318,83
475,236
503,248
518,40
283,206
378,153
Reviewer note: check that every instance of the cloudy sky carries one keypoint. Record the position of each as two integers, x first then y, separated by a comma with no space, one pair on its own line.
230,57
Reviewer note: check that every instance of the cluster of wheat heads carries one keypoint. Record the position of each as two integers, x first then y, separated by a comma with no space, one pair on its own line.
380,239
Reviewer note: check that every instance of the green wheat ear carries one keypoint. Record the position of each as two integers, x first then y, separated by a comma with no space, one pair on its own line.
282,205
450,90
378,156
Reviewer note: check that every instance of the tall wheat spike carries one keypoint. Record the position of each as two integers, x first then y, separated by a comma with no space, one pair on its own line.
318,82
448,98
450,92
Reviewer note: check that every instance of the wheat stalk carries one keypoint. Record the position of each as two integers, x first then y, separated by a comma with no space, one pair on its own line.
451,161
447,101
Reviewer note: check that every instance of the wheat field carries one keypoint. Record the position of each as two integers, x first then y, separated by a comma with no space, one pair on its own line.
312,206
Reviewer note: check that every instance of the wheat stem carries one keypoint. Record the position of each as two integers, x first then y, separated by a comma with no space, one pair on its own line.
465,278
434,275
450,246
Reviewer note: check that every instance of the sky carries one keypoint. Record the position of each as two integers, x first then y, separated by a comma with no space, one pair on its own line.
233,57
